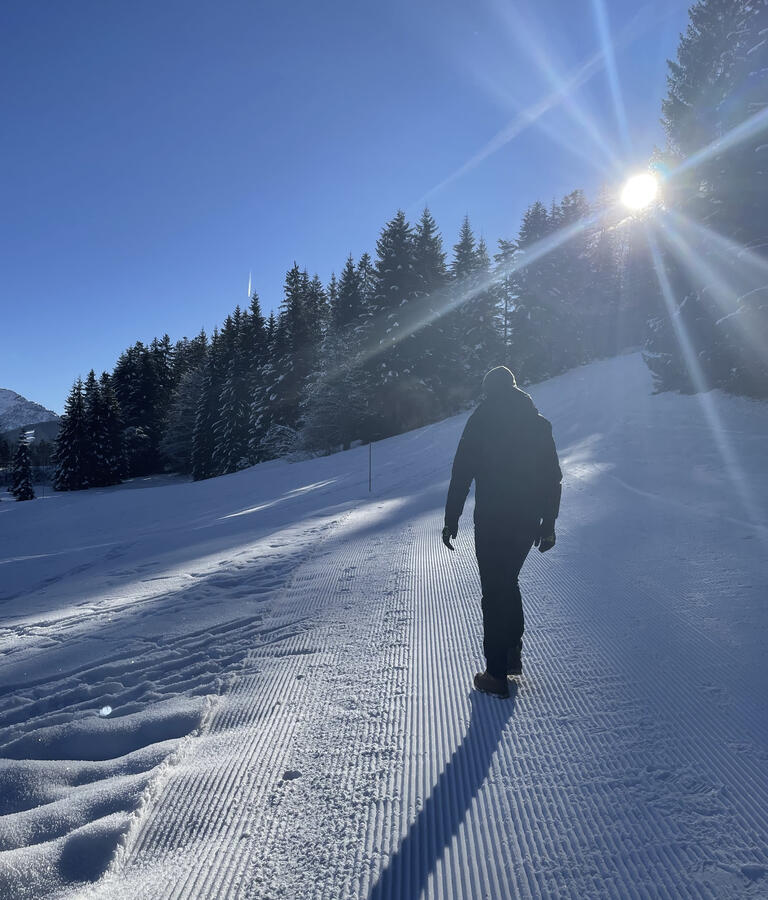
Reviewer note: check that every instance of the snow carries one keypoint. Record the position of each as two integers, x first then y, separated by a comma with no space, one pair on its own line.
287,662
730,315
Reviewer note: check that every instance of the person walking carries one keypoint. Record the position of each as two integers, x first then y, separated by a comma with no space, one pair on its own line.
508,450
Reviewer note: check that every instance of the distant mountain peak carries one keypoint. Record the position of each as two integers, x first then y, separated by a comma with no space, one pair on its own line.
16,411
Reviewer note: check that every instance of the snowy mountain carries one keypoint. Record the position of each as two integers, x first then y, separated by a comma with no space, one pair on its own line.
16,411
259,685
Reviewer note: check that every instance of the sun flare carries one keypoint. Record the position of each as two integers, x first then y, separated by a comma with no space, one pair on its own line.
640,191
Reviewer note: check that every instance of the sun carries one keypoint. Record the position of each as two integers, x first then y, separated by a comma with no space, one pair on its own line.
640,191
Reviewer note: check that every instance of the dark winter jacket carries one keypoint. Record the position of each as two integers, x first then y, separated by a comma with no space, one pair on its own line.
507,448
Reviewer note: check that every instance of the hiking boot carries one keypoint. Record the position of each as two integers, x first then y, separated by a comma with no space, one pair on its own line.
490,685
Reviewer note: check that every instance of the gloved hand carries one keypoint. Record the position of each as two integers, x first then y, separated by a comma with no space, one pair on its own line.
545,539
450,531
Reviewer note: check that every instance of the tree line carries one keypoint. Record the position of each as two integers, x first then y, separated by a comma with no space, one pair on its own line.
393,342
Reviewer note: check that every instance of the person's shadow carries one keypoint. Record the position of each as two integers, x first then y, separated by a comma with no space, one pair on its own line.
438,821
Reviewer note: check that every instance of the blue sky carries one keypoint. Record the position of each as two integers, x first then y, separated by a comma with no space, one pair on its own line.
153,154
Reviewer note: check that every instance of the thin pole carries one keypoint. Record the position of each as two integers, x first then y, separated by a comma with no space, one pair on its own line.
370,445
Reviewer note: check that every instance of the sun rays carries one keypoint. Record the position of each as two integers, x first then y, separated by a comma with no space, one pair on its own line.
716,428
594,146
673,239
751,128
607,44
429,310
523,120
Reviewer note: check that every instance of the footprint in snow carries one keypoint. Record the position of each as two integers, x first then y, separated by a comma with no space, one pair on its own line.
291,775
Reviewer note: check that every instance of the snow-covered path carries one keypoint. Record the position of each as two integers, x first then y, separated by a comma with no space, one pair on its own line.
344,754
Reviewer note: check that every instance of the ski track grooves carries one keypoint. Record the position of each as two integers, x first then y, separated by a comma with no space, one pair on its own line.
605,775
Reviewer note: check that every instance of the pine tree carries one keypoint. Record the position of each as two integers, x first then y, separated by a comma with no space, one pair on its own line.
163,357
71,444
603,322
21,473
230,451
293,360
476,344
703,75
346,308
331,294
390,331
264,405
335,403
206,415
335,406
504,288
284,386
366,273
481,315
572,341
188,354
113,431
141,381
317,314
395,286
178,437
534,320
464,252
254,335
97,460
430,363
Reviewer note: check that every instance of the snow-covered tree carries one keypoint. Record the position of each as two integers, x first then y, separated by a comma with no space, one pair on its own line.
335,407
71,444
474,325
141,381
535,319
112,449
335,404
294,351
98,459
206,414
21,473
230,451
366,273
188,354
177,442
346,307
264,408
389,335
430,346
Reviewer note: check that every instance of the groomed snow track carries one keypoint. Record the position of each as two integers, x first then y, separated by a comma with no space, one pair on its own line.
354,761
603,776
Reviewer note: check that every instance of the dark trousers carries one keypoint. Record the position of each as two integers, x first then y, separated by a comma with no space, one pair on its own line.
501,553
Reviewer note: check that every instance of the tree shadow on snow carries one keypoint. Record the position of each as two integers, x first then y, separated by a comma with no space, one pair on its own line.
439,820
